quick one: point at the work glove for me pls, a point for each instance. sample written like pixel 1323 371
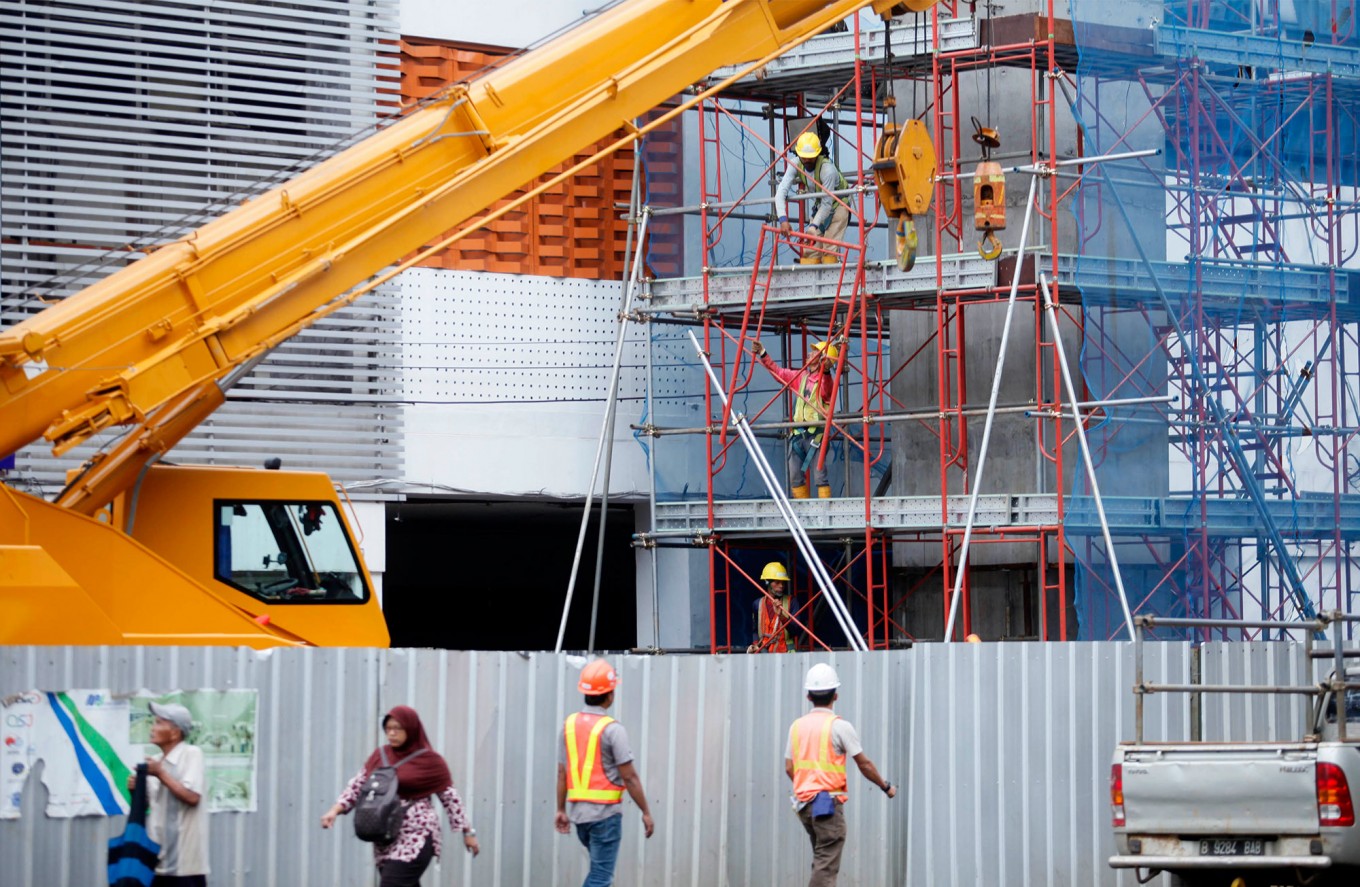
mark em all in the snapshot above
pixel 757 349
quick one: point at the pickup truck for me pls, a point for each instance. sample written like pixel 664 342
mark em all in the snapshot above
pixel 1243 814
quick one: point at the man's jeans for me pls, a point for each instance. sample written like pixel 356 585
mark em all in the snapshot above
pixel 602 840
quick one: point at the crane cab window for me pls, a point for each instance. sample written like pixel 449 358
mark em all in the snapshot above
pixel 286 552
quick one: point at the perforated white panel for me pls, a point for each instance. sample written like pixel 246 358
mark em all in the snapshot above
pixel 507 378
pixel 478 338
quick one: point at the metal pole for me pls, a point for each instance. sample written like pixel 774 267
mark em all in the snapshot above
pixel 1085 450
pixel 611 411
pixel 991 414
pixel 605 431
pixel 1049 167
pixel 800 537
pixel 900 416
pixel 1138 680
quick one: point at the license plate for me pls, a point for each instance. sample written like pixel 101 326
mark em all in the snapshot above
pixel 1232 847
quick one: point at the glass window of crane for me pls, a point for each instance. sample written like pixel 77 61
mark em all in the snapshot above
pixel 286 552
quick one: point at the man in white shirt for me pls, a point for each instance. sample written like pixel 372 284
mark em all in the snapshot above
pixel 178 820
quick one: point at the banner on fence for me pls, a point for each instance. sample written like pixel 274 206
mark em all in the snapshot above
pixel 88 740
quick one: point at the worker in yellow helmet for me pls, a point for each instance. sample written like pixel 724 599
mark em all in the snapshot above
pixel 813 388
pixel 773 612
pixel 814 173
pixel 594 769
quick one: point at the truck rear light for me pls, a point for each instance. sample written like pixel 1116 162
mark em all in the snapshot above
pixel 1117 794
pixel 1333 796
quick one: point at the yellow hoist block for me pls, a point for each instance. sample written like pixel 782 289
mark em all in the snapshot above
pixel 904 168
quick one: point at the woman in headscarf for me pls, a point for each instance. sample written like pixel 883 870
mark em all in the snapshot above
pixel 419 778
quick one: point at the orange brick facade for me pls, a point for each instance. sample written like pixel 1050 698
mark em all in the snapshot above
pixel 576 228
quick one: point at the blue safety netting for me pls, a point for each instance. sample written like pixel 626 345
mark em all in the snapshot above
pixel 1216 273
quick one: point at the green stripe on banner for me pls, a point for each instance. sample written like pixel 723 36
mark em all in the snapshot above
pixel 118 771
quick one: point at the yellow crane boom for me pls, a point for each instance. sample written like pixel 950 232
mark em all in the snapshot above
pixel 153 344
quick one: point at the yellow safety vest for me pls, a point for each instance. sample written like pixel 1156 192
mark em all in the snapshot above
pixel 807 406
pixel 586 779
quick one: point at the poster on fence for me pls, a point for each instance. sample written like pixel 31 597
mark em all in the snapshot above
pixel 89 740
pixel 81 736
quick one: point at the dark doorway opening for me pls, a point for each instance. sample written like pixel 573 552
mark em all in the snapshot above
pixel 493 576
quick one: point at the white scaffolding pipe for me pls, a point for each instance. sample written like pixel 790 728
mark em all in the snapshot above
pixel 991 415
pixel 1086 452
pixel 1035 172
pixel 1047 168
pixel 800 537
pixel 606 435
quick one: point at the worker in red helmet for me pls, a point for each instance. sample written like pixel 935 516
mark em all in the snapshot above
pixel 594 768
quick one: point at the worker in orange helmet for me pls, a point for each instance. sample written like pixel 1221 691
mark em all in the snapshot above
pixel 819 743
pixel 594 768
pixel 773 612
pixel 813 387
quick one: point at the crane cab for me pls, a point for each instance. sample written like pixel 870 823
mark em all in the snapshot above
pixel 273 544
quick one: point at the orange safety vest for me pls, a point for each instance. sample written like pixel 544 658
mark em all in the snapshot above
pixel 586 780
pixel 816 766
pixel 774 622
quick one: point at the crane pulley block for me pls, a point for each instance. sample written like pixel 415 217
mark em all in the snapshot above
pixel 904 167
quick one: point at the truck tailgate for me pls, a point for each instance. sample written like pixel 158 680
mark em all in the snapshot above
pixel 1221 789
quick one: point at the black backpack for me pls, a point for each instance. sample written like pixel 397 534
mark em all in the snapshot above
pixel 378 813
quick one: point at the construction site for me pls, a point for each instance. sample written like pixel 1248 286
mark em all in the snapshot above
pixel 967 324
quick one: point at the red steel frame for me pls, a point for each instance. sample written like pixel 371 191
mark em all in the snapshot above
pixel 854 313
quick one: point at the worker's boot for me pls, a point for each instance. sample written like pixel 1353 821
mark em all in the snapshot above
pixel 800 492
pixel 810 258
pixel 831 258
pixel 823 491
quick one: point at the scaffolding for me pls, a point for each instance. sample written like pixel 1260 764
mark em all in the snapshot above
pixel 1177 315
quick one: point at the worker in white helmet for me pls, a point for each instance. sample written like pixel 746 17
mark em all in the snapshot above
pixel 814 173
pixel 819 743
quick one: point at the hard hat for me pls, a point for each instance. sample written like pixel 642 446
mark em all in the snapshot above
pixel 820 678
pixel 597 678
pixel 831 351
pixel 973 639
pixel 774 570
pixel 808 146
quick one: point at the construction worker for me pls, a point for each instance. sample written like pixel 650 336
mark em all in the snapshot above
pixel 773 612
pixel 813 388
pixel 594 768
pixel 819 743
pixel 814 173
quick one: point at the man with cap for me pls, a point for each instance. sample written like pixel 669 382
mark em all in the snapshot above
pixel 178 820
pixel 819 742
pixel 594 768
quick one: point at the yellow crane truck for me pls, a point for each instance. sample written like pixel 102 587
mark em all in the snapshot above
pixel 137 552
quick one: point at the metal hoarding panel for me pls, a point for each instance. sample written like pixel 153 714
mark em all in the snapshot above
pixel 1001 751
